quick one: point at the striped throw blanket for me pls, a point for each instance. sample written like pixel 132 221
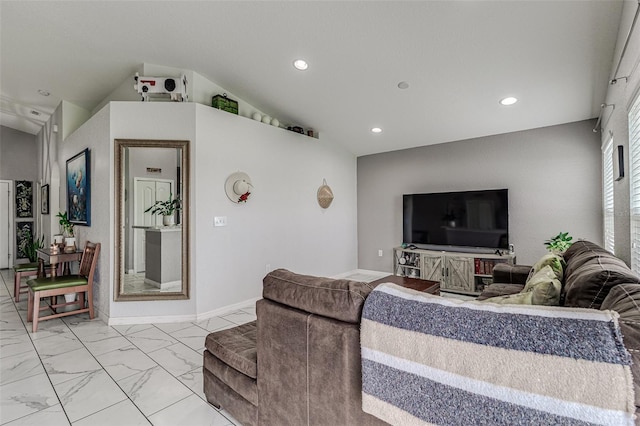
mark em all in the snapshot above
pixel 432 360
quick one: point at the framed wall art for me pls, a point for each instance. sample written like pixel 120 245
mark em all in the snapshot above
pixel 78 180
pixel 44 199
pixel 24 235
pixel 24 199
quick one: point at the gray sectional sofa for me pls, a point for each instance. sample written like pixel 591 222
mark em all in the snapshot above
pixel 299 363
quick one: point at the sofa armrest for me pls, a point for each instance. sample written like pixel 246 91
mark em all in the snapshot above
pixel 332 298
pixel 514 274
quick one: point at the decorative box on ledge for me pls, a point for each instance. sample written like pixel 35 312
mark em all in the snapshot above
pixel 224 103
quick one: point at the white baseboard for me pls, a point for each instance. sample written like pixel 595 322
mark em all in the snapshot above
pixel 151 319
pixel 178 318
pixel 228 309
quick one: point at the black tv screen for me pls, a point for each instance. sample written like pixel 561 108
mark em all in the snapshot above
pixel 478 219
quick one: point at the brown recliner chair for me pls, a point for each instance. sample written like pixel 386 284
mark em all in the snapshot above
pixel 299 363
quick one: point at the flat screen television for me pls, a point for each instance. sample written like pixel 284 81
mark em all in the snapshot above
pixel 457 220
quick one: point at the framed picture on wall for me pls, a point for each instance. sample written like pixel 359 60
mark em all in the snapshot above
pixel 78 180
pixel 24 235
pixel 24 199
pixel 44 199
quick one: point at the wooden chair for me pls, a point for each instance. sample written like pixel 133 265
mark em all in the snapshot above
pixel 59 286
pixel 24 270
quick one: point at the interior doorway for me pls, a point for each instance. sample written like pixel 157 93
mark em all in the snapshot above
pixel 146 193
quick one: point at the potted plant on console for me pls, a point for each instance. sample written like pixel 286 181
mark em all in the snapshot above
pixel 167 209
pixel 560 243
pixel 67 231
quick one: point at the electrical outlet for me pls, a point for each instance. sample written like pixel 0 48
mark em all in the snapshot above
pixel 220 221
pixel 379 253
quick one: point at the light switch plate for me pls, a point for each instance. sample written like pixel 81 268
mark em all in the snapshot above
pixel 220 221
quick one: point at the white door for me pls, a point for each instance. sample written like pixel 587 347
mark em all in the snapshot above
pixel 147 192
pixel 6 241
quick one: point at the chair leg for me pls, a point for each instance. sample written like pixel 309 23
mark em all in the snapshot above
pixel 30 306
pixel 36 309
pixel 90 302
pixel 16 286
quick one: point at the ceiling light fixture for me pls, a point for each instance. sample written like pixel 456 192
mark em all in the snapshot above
pixel 508 101
pixel 376 130
pixel 43 92
pixel 403 85
pixel 300 64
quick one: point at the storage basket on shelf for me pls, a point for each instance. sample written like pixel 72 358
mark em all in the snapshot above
pixel 224 103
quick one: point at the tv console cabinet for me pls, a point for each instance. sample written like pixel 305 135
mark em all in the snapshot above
pixel 457 272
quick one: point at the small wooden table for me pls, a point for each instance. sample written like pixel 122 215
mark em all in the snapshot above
pixel 46 254
pixel 425 286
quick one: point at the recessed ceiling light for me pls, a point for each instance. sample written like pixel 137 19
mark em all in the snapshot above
pixel 300 64
pixel 508 101
pixel 403 85
pixel 376 130
pixel 43 92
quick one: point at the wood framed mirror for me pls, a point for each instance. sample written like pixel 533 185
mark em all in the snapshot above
pixel 151 251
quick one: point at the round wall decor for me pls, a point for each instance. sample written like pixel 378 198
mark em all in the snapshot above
pixel 238 187
pixel 325 195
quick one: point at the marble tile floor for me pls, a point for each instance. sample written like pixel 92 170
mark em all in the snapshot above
pixel 76 371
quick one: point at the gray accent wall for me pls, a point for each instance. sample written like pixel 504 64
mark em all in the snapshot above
pixel 18 155
pixel 553 175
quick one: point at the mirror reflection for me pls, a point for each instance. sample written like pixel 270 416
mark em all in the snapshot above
pixel 152 183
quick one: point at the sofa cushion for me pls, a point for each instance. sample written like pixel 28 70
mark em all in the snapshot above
pixel 236 347
pixel 333 298
pixel 590 274
pixel 221 395
pixel 589 285
pixel 498 289
pixel 581 259
pixel 514 274
pixel 582 246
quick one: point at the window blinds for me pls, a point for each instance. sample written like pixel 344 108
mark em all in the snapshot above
pixel 607 195
pixel 634 182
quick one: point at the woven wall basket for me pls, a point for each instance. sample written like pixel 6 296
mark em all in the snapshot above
pixel 325 195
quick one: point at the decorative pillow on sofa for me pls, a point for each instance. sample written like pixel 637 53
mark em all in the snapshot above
pixel 556 262
pixel 543 288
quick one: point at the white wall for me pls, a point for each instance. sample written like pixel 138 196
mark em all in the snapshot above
pixel 615 122
pixel 95 136
pixel 282 224
pixel 151 120
pixel 552 173
pixel 73 117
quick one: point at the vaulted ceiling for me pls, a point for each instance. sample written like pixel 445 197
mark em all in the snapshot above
pixel 459 58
